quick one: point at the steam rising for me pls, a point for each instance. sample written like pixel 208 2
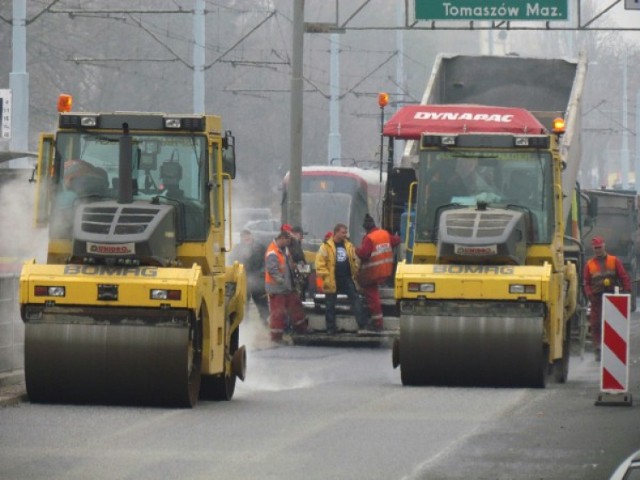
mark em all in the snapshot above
pixel 19 238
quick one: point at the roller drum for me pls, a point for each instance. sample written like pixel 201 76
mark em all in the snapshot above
pixel 472 350
pixel 111 363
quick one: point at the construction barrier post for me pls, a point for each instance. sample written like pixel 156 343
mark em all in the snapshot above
pixel 614 362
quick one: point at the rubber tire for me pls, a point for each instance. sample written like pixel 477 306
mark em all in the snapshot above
pixel 395 353
pixel 221 387
pixel 194 350
pixel 561 366
pixel 239 363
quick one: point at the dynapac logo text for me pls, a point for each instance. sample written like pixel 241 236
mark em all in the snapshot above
pixel 110 271
pixel 457 116
pixel 482 269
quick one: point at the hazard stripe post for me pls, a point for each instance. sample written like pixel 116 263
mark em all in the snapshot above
pixel 614 363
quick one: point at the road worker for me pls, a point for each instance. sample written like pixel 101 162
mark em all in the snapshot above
pixel 376 255
pixel 284 301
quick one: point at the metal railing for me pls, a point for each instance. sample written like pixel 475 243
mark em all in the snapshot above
pixel 11 326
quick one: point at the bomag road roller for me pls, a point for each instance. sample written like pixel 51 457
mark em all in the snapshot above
pixel 488 293
pixel 134 305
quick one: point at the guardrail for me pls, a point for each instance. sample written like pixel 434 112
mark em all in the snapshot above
pixel 11 326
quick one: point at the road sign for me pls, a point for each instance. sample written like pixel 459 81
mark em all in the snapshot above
pixel 5 114
pixel 546 10
pixel 614 365
pixel 632 4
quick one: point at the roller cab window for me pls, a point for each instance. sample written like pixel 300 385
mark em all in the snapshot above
pixel 168 169
pixel 462 178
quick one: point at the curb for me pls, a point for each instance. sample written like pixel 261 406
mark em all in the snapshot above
pixel 12 388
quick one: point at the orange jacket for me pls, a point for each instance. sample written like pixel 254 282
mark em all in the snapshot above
pixel 378 265
pixel 595 278
pixel 277 274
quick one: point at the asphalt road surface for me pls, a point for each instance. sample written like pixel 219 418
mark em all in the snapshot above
pixel 334 413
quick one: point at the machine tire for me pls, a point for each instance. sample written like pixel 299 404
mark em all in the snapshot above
pixel 395 353
pixel 239 363
pixel 194 355
pixel 545 369
pixel 561 366
pixel 221 387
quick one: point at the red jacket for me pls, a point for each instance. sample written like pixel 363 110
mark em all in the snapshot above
pixel 376 253
pixel 594 277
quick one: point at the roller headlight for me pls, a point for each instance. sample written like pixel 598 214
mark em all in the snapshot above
pixel 421 287
pixel 161 294
pixel 520 288
pixel 48 291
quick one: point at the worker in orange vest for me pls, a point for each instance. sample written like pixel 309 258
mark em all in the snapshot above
pixel 602 274
pixel 284 301
pixel 376 255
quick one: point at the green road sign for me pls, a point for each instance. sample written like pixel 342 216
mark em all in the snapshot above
pixel 546 10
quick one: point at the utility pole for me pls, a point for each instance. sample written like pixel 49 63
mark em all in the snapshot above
pixel 400 83
pixel 637 159
pixel 624 151
pixel 198 56
pixel 335 150
pixel 19 85
pixel 294 198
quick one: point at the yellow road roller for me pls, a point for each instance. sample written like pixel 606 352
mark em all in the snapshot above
pixel 134 304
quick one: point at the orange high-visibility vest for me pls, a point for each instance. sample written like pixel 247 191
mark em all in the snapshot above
pixel 281 262
pixel 379 266
pixel 598 276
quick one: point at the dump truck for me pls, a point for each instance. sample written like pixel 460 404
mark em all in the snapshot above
pixel 615 218
pixel 134 304
pixel 489 170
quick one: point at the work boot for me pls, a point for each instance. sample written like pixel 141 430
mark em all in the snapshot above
pixel 302 326
pixel 369 328
pixel 375 326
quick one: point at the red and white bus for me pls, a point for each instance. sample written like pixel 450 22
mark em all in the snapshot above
pixel 336 194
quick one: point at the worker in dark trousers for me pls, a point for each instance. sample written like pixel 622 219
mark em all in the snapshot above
pixel 337 267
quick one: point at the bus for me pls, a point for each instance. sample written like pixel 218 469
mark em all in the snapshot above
pixel 336 194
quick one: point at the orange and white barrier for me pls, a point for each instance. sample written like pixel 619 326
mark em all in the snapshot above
pixel 614 363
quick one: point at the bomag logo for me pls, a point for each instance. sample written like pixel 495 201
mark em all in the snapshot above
pixel 110 271
pixel 479 269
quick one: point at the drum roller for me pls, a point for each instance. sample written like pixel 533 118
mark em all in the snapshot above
pixel 89 357
pixel 471 351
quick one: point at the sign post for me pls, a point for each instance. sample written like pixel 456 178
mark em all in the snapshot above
pixel 614 363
